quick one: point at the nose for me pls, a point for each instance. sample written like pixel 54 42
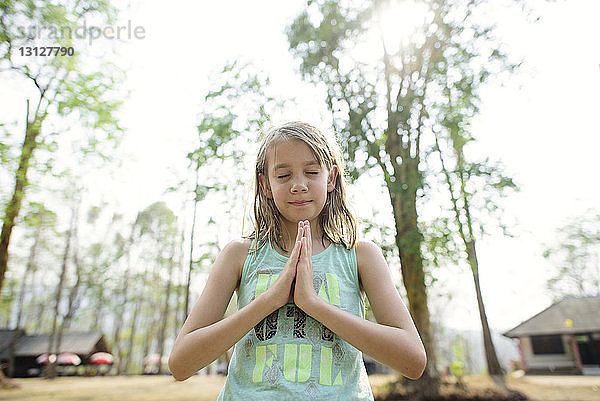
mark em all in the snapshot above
pixel 299 187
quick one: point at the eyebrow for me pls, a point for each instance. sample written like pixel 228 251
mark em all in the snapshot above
pixel 286 165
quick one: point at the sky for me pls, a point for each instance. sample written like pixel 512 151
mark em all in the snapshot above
pixel 540 123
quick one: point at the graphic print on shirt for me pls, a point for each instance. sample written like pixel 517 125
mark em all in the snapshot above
pixel 297 358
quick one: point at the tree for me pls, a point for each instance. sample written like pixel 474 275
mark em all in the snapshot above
pixel 39 219
pixel 56 334
pixel 63 87
pixel 576 257
pixel 233 113
pixel 123 293
pixel 156 229
pixel 386 107
pixel 164 315
pixel 462 190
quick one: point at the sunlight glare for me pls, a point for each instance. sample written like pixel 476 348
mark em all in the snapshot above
pixel 399 20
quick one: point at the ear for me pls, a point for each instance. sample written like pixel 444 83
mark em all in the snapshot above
pixel 264 186
pixel 331 179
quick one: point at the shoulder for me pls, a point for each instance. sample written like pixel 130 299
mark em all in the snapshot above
pixel 237 249
pixel 233 255
pixel 366 253
pixel 369 261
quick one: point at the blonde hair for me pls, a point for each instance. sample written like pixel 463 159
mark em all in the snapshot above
pixel 337 222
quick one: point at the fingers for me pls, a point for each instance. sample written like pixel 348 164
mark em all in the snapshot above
pixel 296 250
pixel 298 244
pixel 300 231
pixel 308 235
pixel 306 253
pixel 303 247
pixel 307 240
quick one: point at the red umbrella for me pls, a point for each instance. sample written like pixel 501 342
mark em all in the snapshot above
pixel 68 359
pixel 101 358
pixel 42 359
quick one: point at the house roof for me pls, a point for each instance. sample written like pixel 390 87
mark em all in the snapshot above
pixel 570 315
pixel 81 343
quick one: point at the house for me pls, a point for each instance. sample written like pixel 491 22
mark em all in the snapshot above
pixel 563 338
pixel 28 347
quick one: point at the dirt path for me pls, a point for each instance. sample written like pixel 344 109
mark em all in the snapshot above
pixel 547 388
pixel 119 388
pixel 558 388
pixel 206 388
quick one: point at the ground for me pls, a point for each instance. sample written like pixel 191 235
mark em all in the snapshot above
pixel 205 388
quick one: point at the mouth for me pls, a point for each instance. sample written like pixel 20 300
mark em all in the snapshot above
pixel 300 203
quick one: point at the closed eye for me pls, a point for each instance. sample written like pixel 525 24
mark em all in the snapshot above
pixel 283 176
pixel 312 172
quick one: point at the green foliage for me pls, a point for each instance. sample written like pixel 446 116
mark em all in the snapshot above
pixel 325 50
pixel 234 111
pixel 382 107
pixel 223 121
pixel 38 215
pixel 157 221
pixel 8 297
pixel 6 155
pixel 440 247
pixel 390 110
pixel 576 257
pixel 93 214
pixel 65 88
pixel 457 366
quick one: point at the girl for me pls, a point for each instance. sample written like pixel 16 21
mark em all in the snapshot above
pixel 300 280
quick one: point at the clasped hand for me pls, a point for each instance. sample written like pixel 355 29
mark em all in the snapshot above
pixel 296 279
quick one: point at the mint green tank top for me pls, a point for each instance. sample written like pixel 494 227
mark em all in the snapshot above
pixel 289 355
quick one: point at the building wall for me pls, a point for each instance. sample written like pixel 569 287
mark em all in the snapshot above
pixel 549 362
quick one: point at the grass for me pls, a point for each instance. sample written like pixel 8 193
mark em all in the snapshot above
pixel 536 388
pixel 205 388
pixel 116 388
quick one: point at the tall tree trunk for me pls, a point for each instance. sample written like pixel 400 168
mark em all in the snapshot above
pixel 189 275
pixel 130 345
pixel 41 310
pixel 153 319
pixel 28 269
pixel 53 346
pixel 121 318
pixel 11 291
pixel 403 183
pixel 101 263
pixel 32 303
pixel 72 304
pixel 136 312
pixel 408 241
pixel 165 312
pixel 179 290
pixel 100 302
pixel 152 322
pixel 493 365
pixel 466 234
pixel 32 130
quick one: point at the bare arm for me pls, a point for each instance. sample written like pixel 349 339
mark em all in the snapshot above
pixel 393 340
pixel 204 336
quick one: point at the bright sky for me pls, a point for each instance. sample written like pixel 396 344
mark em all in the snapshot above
pixel 541 123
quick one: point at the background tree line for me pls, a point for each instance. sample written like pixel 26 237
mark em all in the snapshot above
pixel 403 118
